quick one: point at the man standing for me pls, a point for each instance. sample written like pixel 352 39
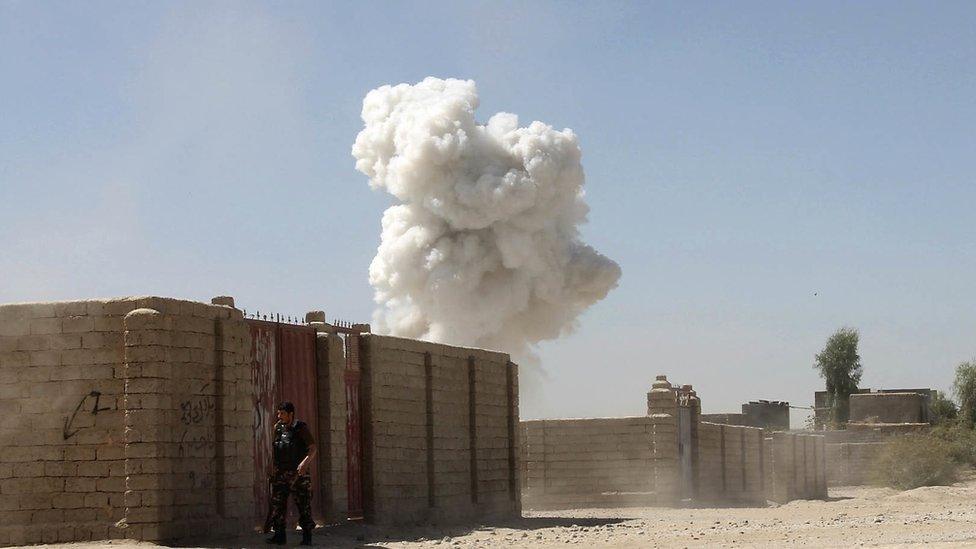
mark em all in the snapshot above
pixel 294 449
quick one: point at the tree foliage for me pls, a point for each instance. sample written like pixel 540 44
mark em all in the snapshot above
pixel 965 389
pixel 840 366
pixel 944 410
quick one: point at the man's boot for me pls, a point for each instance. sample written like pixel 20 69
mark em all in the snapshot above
pixel 278 538
pixel 306 537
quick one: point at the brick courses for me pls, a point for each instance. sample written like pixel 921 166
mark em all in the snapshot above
pixel 636 460
pixel 587 462
pixel 93 395
pixel 470 404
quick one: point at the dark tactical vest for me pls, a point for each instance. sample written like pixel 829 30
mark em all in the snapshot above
pixel 289 448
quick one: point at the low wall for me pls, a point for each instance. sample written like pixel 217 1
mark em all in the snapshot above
pixel 603 462
pixel 439 432
pixel 668 457
pixel 732 464
pixel 125 418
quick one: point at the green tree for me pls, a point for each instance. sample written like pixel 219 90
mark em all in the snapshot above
pixel 965 389
pixel 840 366
pixel 943 409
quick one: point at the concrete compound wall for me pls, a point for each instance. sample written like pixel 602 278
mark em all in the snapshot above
pixel 732 464
pixel 799 467
pixel 440 432
pixel 643 461
pixel 601 462
pixel 134 418
pixel 119 418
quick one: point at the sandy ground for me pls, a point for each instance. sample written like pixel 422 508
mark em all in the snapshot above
pixel 942 516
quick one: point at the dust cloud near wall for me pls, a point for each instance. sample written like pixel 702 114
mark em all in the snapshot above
pixel 598 462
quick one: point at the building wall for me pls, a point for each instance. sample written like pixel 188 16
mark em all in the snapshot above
pixel 888 408
pixel 587 462
pixel 440 440
pixel 771 415
pixel 118 417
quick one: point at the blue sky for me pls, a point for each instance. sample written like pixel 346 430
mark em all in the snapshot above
pixel 740 158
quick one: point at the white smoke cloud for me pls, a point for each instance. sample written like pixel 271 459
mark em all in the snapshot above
pixel 484 248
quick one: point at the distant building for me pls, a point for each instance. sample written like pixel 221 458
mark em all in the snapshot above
pixel 880 406
pixel 768 414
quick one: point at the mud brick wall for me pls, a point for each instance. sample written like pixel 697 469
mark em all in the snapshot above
pixel 732 463
pixel 888 407
pixel 331 364
pixel 62 474
pixel 587 462
pixel 92 394
pixel 188 417
pixel 799 467
pixel 440 432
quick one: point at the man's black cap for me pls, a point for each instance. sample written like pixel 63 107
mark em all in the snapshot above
pixel 287 406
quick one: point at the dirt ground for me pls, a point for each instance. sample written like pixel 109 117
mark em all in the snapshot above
pixel 942 516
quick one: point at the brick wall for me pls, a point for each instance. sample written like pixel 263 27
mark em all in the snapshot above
pixel 440 439
pixel 587 462
pixel 122 418
pixel 799 467
pixel 732 464
pixel 331 364
pixel 888 407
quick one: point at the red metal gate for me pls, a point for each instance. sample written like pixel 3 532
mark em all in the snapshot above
pixel 265 396
pixel 283 368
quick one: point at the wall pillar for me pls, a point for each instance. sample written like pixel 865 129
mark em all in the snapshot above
pixel 662 407
pixel 147 507
pixel 784 467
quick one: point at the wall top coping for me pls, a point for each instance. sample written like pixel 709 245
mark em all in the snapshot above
pixel 732 426
pixel 501 356
pixel 118 299
pixel 579 419
pixel 904 394
pixel 115 307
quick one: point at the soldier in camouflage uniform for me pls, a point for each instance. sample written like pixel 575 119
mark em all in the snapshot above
pixel 294 449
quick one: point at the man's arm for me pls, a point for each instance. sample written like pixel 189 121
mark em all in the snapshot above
pixel 306 434
pixel 303 466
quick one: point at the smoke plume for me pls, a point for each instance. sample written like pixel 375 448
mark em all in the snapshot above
pixel 483 249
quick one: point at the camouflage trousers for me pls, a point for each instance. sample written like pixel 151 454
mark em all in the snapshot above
pixel 283 484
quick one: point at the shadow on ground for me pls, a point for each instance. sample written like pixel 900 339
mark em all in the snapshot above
pixel 361 535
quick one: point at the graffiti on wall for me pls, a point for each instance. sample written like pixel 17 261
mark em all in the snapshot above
pixel 69 431
pixel 197 414
pixel 197 410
